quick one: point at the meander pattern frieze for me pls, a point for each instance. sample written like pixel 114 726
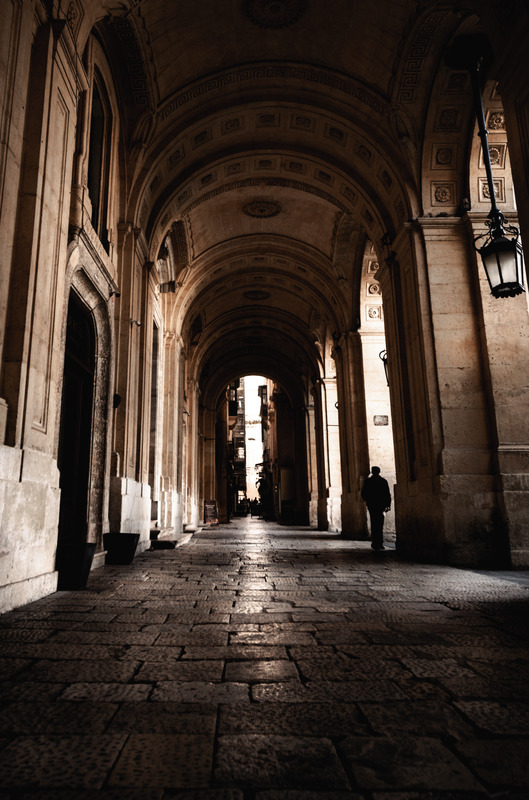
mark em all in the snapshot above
pixel 133 60
pixel 418 53
pixel 264 72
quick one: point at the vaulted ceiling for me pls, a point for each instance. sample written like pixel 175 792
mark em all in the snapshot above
pixel 279 137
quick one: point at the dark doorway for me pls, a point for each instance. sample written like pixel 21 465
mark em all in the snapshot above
pixel 74 555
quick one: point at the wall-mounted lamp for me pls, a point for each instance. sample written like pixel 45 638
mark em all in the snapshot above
pixel 383 356
pixel 502 257
pixel 135 322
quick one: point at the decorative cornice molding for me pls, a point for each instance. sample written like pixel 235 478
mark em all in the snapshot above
pixel 261 72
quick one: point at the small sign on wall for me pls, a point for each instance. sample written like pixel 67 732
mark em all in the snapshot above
pixel 210 512
pixel 381 419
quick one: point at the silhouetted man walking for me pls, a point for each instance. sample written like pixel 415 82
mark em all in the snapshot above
pixel 376 494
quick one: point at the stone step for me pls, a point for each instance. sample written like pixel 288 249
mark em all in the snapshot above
pixel 163 544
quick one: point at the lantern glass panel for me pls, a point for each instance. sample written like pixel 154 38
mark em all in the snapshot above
pixel 503 262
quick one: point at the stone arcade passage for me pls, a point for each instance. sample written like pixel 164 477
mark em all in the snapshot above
pixel 192 193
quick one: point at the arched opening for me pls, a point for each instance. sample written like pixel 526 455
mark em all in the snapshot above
pixel 99 159
pixel 74 457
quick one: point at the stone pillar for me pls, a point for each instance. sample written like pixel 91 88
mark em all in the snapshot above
pixel 333 461
pixel 353 433
pixel 301 512
pixel 321 459
pixel 221 462
pixel 194 509
pixel 130 500
pixel 36 153
pixel 312 461
pixel 173 412
pixel 505 351
pixel 443 353
pixel 208 483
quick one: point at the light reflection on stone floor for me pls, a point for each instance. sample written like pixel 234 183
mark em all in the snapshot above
pixel 261 662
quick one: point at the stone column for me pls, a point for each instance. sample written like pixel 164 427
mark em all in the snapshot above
pixel 301 512
pixel 193 458
pixel 130 503
pixel 321 455
pixel 171 491
pixel 444 415
pixel 35 176
pixel 334 476
pixel 354 454
pixel 208 484
pixel 504 342
pixel 312 461
pixel 221 461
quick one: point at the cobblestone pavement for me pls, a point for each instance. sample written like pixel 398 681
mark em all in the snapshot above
pixel 259 662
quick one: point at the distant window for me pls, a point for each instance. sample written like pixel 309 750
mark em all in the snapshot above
pixel 99 159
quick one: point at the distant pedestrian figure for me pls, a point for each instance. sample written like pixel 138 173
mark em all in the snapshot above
pixel 376 494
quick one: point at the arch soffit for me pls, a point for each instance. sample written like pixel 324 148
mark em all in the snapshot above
pixel 292 385
pixel 213 382
pixel 358 178
pixel 454 177
pixel 275 338
pixel 268 264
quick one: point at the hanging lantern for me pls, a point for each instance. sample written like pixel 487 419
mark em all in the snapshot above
pixel 502 258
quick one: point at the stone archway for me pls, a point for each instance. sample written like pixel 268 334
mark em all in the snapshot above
pixel 74 551
pixel 85 404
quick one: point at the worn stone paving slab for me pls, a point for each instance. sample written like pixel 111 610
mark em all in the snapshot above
pixel 261 671
pixel 119 637
pixel 429 718
pixel 235 652
pixel 326 691
pixel 295 795
pixel 53 650
pixel 405 762
pixel 69 671
pixel 200 692
pixel 451 794
pixel 59 761
pixel 10 667
pixel 320 719
pixel 23 635
pixel 273 638
pixel 442 668
pixel 496 718
pixel 54 718
pixel 85 794
pixel 156 653
pixel 205 794
pixel 258 761
pixel 165 718
pixel 500 763
pixel 180 671
pixel 107 692
pixel 347 670
pixel 164 760
pixel 501 687
pixel 29 692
